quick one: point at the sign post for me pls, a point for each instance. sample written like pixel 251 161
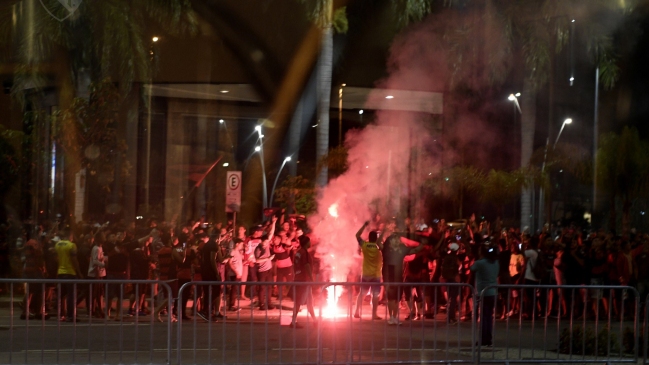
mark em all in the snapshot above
pixel 233 194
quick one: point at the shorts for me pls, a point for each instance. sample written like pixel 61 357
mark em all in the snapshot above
pixel 390 276
pixel 302 294
pixel 596 293
pixel 375 287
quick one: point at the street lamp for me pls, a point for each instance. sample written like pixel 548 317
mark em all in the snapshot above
pixel 545 157
pixel 272 192
pixel 514 98
pixel 259 148
pixel 263 176
pixel 567 121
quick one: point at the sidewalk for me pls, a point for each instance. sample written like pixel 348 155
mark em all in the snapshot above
pixel 5 300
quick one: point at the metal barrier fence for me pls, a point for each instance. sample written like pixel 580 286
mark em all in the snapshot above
pixel 601 324
pixel 334 336
pixel 72 336
pixel 561 324
pixel 645 331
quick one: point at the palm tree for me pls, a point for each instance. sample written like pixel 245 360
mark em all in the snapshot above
pixel 330 19
pixel 535 31
pixel 461 180
pixel 502 187
pixel 327 19
pixel 623 172
pixel 103 39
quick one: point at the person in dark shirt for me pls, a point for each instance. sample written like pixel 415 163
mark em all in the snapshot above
pixel 116 269
pixel 642 260
pixel 34 268
pixel 210 273
pixel 303 269
pixel 83 255
pixel 416 271
pixel 504 277
pixel 167 272
pixel 597 268
pixel 184 257
pixel 574 265
pixel 394 251
pixel 140 267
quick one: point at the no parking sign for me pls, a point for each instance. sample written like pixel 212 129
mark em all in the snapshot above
pixel 233 192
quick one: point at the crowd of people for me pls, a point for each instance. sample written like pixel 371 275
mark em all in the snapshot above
pixel 279 251
pixel 195 251
pixel 586 274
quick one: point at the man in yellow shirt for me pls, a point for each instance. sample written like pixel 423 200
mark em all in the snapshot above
pixel 372 264
pixel 68 268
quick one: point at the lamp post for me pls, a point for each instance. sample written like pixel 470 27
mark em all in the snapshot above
pixel 260 149
pixel 527 194
pixel 567 121
pixel 340 114
pixel 272 192
pixel 545 157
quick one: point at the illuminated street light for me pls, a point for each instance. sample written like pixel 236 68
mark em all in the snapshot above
pixel 155 39
pixel 360 112
pixel 545 157
pixel 263 174
pixel 258 129
pixel 565 122
pixel 221 121
pixel 514 98
pixel 389 97
pixel 225 164
pixel 272 192
pixel 224 91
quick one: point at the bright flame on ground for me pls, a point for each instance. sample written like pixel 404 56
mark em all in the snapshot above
pixel 333 294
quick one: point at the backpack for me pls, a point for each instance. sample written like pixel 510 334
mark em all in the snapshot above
pixel 540 269
pixel 450 267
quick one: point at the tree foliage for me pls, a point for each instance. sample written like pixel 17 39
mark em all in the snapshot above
pixel 88 131
pixel 501 187
pixel 9 165
pixel 335 161
pixel 103 38
pixel 298 193
pixel 623 170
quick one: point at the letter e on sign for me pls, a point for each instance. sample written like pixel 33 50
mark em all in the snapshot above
pixel 233 192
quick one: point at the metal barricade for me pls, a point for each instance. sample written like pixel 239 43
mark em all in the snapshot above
pixel 432 337
pixel 560 324
pixel 597 324
pixel 40 331
pixel 250 335
pixel 645 331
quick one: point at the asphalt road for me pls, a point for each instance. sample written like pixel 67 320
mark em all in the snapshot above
pixel 254 337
